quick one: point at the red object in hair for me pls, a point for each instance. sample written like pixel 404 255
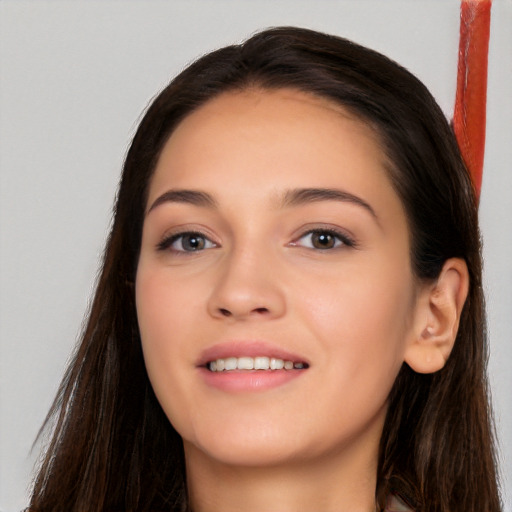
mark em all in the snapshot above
pixel 470 102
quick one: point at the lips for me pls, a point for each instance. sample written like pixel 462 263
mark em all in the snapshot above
pixel 249 349
pixel 248 366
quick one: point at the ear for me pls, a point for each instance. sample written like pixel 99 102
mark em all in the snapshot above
pixel 439 307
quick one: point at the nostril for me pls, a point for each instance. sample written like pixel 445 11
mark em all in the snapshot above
pixel 242 311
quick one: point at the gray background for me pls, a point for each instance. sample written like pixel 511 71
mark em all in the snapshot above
pixel 75 76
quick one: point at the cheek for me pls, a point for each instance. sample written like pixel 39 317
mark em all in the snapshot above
pixel 363 321
pixel 156 311
pixel 360 299
pixel 163 317
pixel 163 307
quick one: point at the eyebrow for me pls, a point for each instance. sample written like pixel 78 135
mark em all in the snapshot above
pixel 302 196
pixel 193 197
pixel 294 197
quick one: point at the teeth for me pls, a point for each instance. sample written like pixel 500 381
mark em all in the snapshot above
pixel 253 363
pixel 230 363
pixel 276 364
pixel 261 363
pixel 245 363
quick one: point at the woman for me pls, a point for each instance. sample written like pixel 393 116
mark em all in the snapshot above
pixel 290 312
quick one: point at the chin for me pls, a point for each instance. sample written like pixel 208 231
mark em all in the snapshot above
pixel 256 456
pixel 246 447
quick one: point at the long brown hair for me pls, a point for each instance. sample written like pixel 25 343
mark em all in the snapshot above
pixel 113 448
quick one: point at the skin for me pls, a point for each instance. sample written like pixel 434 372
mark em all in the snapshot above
pixel 353 312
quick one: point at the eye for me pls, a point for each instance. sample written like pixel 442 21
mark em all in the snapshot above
pixel 324 239
pixel 186 242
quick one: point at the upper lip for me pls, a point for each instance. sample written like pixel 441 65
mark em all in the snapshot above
pixel 239 348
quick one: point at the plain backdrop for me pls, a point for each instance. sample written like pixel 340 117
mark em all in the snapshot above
pixel 75 77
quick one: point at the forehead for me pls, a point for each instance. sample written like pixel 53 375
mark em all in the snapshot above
pixel 287 108
pixel 264 133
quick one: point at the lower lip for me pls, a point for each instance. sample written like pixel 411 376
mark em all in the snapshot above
pixel 250 380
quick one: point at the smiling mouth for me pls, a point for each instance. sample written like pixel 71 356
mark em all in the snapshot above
pixel 254 363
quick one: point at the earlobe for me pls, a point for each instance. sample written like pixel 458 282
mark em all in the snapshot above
pixel 437 318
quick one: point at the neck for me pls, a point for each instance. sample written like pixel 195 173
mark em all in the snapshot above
pixel 331 483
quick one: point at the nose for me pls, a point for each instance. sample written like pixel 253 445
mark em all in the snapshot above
pixel 247 287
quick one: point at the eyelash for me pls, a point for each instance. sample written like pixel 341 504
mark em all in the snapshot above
pixel 167 242
pixel 340 238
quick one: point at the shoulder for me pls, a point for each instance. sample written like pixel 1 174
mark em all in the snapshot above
pixel 395 504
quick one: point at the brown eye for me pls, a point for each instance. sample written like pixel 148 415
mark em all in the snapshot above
pixel 323 239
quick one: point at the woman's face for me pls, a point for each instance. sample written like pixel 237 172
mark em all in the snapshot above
pixel 273 237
